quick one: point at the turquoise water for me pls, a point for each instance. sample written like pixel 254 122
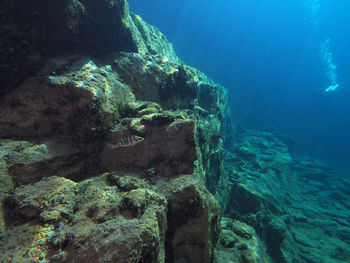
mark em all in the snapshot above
pixel 286 64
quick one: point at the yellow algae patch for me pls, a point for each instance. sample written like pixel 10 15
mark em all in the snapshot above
pixel 34 243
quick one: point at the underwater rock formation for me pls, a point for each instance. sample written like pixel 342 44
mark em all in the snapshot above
pixel 110 218
pixel 239 242
pixel 68 195
pixel 297 205
pixel 82 76
pixel 33 31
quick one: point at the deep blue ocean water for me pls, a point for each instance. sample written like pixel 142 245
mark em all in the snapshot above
pixel 276 58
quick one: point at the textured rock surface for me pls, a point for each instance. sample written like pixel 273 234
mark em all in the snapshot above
pixel 33 31
pixel 297 205
pixel 150 40
pixel 80 101
pixel 116 217
pixel 67 194
pixel 29 161
pixel 193 221
pixel 92 220
pixel 168 148
pixel 239 243
pixel 6 187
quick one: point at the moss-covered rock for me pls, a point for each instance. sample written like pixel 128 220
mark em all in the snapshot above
pixel 168 146
pixel 239 243
pixel 150 40
pixel 33 31
pixel 100 219
pixel 69 192
pixel 193 219
pixel 83 100
pixel 6 187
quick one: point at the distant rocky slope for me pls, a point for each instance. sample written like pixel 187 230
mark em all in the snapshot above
pixel 299 207
pixel 79 76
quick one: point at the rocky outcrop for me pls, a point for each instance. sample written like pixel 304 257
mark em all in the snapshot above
pixel 295 203
pixel 33 31
pixel 115 217
pixel 69 124
pixel 193 223
pixel 239 243
pixel 92 220
pixel 69 192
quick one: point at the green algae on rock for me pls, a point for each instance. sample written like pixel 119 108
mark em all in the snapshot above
pixel 32 32
pixel 124 225
pixel 239 243
pixel 70 199
pixel 76 101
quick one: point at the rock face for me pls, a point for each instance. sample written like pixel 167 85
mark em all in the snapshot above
pixel 82 98
pixel 92 220
pixel 69 192
pixel 239 243
pixel 33 31
pixel 115 217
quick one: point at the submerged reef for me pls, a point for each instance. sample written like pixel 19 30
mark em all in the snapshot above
pixel 83 76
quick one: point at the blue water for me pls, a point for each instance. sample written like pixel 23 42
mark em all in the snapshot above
pixel 269 55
